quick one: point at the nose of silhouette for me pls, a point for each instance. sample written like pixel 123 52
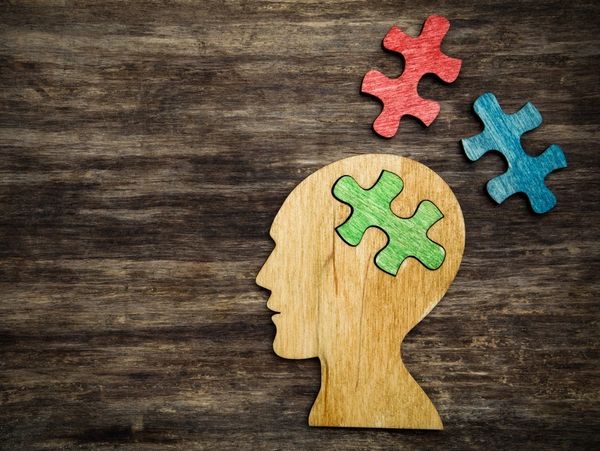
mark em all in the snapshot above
pixel 262 277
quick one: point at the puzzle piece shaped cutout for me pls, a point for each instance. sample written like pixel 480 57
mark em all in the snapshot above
pixel 422 55
pixel 502 133
pixel 407 237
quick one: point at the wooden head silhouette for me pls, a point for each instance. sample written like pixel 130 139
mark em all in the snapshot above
pixel 335 302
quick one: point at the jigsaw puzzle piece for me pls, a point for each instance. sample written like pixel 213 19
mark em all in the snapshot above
pixel 368 206
pixel 407 237
pixel 529 179
pixel 422 55
pixel 397 101
pixel 412 242
pixel 424 51
pixel 502 133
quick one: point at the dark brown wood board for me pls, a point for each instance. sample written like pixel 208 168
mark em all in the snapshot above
pixel 145 148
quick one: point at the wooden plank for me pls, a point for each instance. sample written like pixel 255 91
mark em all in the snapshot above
pixel 146 149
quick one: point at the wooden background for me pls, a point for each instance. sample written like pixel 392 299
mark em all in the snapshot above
pixel 145 149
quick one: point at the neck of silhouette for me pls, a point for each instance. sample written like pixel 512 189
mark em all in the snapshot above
pixel 370 387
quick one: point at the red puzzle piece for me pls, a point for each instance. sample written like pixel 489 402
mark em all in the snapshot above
pixel 422 55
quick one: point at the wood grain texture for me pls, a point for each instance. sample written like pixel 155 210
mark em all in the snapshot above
pixel 334 303
pixel 146 149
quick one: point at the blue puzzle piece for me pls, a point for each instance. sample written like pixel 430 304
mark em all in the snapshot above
pixel 502 132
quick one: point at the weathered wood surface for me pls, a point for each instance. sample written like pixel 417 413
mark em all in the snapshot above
pixel 145 149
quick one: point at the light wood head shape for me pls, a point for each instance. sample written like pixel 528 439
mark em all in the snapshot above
pixel 334 303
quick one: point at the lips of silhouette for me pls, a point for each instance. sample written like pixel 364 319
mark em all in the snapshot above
pixel 270 306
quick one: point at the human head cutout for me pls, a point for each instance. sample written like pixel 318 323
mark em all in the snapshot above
pixel 335 303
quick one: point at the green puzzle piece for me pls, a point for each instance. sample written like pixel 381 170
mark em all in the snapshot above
pixel 407 237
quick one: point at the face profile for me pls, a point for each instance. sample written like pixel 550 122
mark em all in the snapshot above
pixel 333 302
